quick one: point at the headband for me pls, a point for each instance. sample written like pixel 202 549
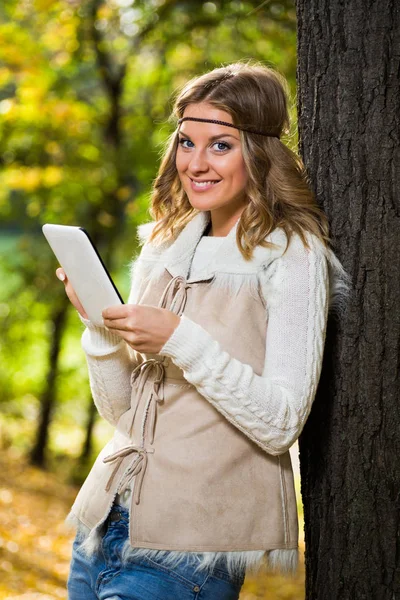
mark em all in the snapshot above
pixel 227 125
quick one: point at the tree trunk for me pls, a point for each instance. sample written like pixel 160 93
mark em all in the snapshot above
pixel 348 108
pixel 38 452
pixel 88 443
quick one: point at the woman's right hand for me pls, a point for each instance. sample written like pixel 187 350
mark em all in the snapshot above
pixel 71 293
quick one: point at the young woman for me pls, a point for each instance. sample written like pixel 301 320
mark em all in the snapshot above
pixel 209 372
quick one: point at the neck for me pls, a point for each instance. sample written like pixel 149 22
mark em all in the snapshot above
pixel 208 231
pixel 220 225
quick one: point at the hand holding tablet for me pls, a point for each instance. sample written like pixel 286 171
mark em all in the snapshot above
pixel 69 290
pixel 90 281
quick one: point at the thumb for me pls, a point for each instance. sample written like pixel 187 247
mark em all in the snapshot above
pixel 61 274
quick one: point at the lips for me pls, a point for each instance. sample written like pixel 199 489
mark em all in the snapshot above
pixel 203 184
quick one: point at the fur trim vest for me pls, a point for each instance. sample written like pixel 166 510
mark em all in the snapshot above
pixel 206 476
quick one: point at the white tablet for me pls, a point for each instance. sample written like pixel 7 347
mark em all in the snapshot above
pixel 83 266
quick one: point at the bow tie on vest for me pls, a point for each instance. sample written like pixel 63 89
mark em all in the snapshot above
pixel 137 468
pixel 174 299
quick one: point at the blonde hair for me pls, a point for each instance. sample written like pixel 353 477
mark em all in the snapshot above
pixel 277 190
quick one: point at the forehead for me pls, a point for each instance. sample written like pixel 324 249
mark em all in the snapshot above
pixel 203 110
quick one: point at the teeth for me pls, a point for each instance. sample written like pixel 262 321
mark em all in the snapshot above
pixel 204 183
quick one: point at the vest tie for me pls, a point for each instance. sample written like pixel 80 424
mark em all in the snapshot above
pixel 139 376
pixel 174 299
pixel 175 295
pixel 138 467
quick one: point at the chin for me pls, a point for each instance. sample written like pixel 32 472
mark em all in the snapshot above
pixel 203 203
pixel 203 206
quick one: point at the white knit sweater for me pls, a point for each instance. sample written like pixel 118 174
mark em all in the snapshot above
pixel 277 403
pixel 271 409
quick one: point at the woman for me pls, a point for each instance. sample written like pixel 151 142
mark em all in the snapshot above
pixel 209 372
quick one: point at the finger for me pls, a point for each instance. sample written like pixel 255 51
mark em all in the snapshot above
pixel 120 311
pixel 81 310
pixel 61 274
pixel 121 324
pixel 74 299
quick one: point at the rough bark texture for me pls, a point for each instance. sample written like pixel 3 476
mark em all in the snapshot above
pixel 349 108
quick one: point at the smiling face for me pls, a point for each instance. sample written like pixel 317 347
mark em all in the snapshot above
pixel 210 163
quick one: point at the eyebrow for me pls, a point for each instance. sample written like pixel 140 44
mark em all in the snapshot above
pixel 213 137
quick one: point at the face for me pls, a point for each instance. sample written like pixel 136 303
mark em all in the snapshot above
pixel 210 163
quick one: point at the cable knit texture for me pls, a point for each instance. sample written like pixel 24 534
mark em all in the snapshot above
pixel 271 409
pixel 297 288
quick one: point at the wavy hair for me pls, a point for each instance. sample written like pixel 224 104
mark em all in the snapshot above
pixel 278 190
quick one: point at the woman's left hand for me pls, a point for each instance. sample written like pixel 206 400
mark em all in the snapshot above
pixel 145 328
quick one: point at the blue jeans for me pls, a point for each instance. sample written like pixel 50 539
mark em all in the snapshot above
pixel 104 577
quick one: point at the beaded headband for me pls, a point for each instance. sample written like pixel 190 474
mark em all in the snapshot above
pixel 227 125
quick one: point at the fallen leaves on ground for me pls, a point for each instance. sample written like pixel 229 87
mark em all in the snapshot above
pixel 35 543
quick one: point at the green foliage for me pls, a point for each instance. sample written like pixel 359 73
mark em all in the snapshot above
pixel 85 96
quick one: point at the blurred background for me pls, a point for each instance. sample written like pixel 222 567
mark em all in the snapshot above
pixel 85 96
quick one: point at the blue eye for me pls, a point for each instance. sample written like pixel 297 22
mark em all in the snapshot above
pixel 222 146
pixel 183 141
pixel 219 146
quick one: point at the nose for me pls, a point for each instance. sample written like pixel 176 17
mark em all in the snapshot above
pixel 198 161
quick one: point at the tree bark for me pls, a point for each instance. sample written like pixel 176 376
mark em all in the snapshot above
pixel 348 109
pixel 87 447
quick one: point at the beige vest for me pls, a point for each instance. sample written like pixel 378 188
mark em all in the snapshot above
pixel 200 484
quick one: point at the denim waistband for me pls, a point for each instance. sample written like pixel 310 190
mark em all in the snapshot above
pixel 118 517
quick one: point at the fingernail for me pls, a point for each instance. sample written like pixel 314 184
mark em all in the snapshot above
pixel 61 276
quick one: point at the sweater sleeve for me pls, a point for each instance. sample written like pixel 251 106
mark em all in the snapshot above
pixel 270 408
pixel 109 358
pixel 110 363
